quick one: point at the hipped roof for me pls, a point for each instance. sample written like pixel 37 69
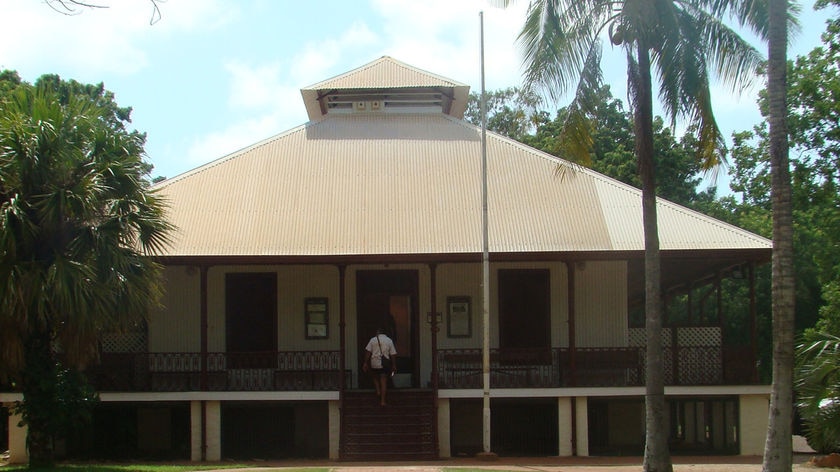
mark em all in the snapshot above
pixel 390 184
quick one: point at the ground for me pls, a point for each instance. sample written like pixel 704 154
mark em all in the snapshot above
pixel 802 463
pixel 548 464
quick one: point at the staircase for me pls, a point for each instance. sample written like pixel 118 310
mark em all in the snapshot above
pixel 402 431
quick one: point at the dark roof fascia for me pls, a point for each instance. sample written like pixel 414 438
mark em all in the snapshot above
pixel 759 256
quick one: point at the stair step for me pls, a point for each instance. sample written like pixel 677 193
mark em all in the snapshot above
pixel 403 430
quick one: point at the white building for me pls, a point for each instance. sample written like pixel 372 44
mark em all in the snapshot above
pixel 289 252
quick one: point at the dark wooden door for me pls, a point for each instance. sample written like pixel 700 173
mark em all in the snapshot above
pixel 388 299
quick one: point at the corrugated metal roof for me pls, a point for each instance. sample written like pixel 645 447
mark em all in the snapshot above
pixel 385 72
pixel 371 184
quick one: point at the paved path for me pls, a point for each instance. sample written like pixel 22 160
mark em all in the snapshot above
pixel 549 464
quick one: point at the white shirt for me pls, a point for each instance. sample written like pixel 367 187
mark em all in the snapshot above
pixel 376 354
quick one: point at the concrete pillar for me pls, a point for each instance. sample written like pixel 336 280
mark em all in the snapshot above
pixel 17 441
pixel 195 431
pixel 582 426
pixel 214 431
pixel 212 417
pixel 444 428
pixel 564 426
pixel 334 413
pixel 753 413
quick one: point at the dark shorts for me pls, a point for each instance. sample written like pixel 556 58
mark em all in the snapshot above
pixel 379 371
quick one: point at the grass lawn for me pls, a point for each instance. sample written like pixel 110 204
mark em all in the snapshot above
pixel 127 468
pixel 174 468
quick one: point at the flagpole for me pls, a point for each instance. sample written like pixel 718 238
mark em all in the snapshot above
pixel 485 263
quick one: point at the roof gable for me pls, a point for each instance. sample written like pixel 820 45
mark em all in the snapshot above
pixel 385 84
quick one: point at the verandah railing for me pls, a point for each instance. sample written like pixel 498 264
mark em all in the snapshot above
pixel 457 368
pixel 593 367
pixel 182 371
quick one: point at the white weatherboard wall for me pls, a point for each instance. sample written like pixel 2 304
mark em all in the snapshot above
pixel 753 423
pixel 601 303
pixel 176 327
pixel 17 441
pixel 459 280
pixel 294 285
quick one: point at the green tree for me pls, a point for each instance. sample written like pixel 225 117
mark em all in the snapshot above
pixel 78 223
pixel 612 141
pixel 511 112
pixel 682 42
pixel 678 173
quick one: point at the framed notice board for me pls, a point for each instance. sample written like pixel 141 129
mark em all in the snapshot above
pixel 317 318
pixel 459 318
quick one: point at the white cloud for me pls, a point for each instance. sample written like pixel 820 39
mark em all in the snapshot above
pixel 233 138
pixel 197 15
pixel 90 42
pixel 254 86
pixel 449 43
pixel 268 94
pixel 317 58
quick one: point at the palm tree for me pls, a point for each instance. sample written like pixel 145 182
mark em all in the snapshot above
pixel 77 224
pixel 682 41
pixel 778 453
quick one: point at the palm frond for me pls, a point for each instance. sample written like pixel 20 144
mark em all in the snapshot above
pixel 556 42
pixel 576 130
pixel 736 61
pixel 78 219
pixel 817 387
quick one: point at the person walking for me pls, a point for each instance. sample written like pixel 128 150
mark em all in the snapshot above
pixel 380 362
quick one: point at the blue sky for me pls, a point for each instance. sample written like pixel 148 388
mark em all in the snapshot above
pixel 213 76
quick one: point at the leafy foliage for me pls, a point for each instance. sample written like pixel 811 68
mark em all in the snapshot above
pixel 818 388
pixel 68 404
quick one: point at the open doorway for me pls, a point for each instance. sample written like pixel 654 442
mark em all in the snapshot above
pixel 388 299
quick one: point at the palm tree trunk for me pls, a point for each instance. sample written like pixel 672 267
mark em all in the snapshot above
pixel 657 456
pixel 38 386
pixel 778 455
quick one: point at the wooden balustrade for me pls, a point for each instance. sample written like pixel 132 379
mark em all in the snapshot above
pixel 589 367
pixel 182 371
pixel 457 368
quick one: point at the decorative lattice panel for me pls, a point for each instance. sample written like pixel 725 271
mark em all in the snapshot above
pixel 132 341
pixel 700 366
pixel 710 336
pixel 636 337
